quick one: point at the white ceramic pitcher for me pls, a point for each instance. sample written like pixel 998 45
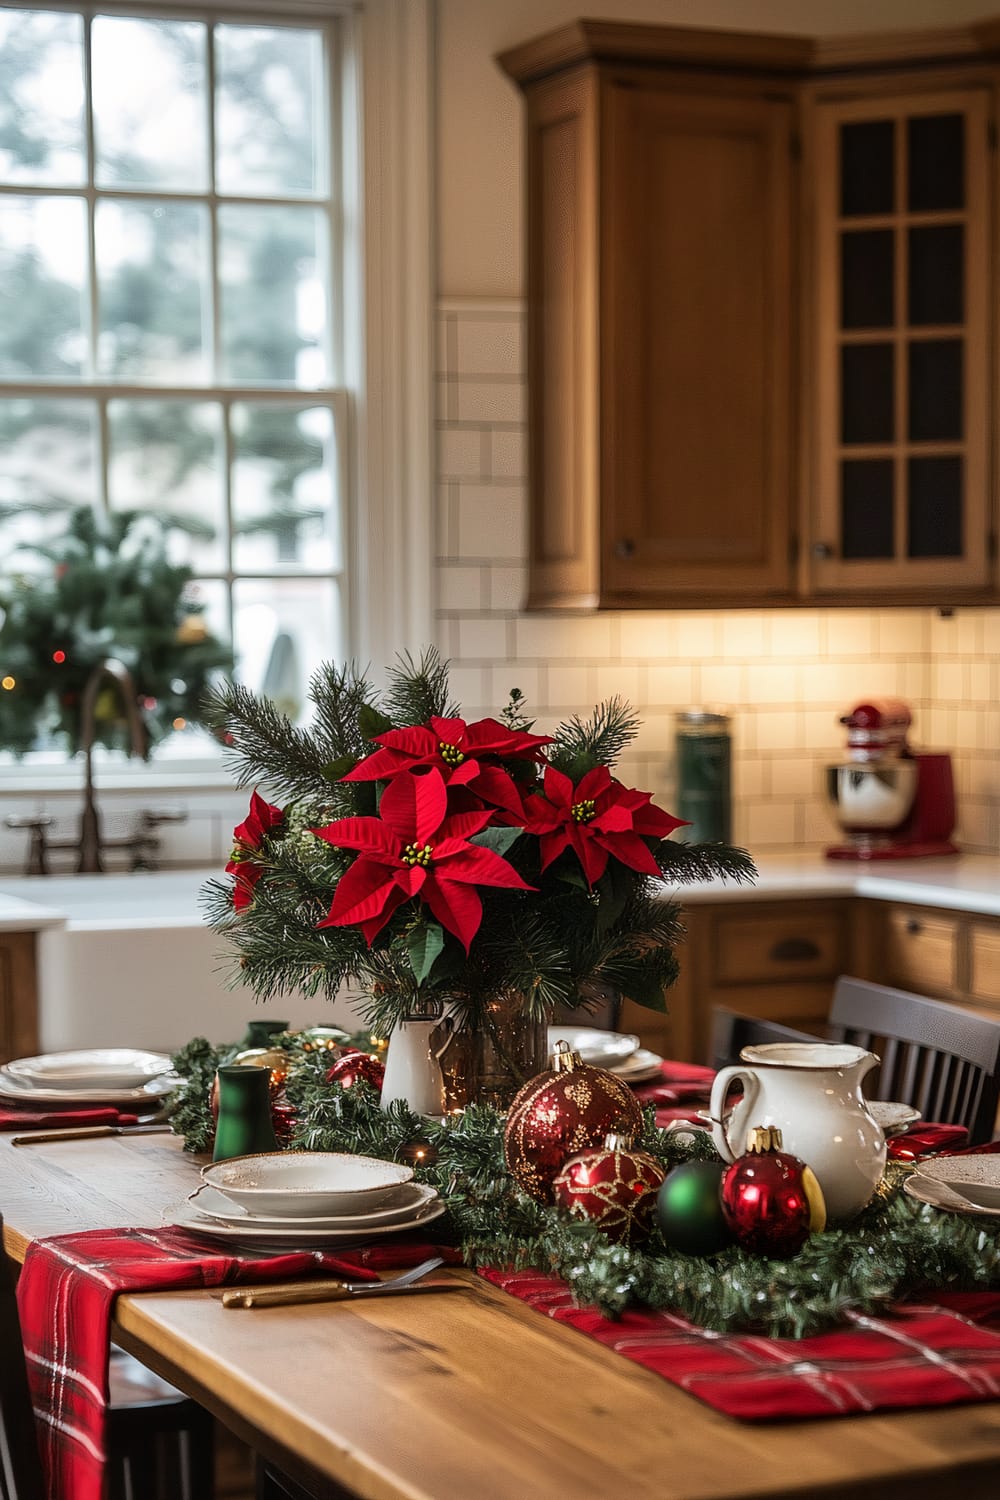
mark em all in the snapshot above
pixel 412 1069
pixel 812 1092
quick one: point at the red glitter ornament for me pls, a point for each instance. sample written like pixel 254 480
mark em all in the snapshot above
pixel 771 1201
pixel 561 1112
pixel 352 1066
pixel 614 1187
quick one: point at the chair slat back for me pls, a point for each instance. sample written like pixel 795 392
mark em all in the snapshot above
pixel 20 1467
pixel 732 1031
pixel 936 1056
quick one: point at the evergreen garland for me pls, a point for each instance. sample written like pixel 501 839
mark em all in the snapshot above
pixel 896 1248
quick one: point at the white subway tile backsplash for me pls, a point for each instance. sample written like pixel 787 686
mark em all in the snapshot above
pixel 460 453
pixel 491 521
pixel 462 588
pixel 490 401
pixel 489 346
pixel 508 454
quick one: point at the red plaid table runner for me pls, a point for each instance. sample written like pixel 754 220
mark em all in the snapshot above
pixel 65 1297
pixel 923 1355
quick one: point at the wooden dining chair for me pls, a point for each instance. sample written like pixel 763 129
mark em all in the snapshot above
pixel 732 1031
pixel 161 1443
pixel 943 1060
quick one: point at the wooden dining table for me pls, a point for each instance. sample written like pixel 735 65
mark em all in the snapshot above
pixel 469 1396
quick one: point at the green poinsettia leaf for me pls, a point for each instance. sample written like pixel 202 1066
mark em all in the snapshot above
pixel 645 989
pixel 339 767
pixel 372 722
pixel 614 889
pixel 498 840
pixel 424 944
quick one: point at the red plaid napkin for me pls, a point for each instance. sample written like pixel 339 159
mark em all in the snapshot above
pixel 65 1296
pixel 936 1355
pixel 680 1082
pixel 38 1119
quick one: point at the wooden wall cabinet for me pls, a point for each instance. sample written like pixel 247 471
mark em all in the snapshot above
pixel 760 309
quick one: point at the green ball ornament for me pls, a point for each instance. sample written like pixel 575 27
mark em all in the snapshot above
pixel 689 1208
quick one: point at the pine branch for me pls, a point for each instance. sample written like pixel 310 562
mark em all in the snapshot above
pixel 686 863
pixel 418 690
pixel 267 748
pixel 581 744
pixel 339 694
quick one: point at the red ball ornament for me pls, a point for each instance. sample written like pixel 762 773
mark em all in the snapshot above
pixel 352 1066
pixel 561 1112
pixel 771 1201
pixel 614 1187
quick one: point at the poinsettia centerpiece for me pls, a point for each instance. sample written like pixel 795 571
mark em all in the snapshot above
pixel 421 858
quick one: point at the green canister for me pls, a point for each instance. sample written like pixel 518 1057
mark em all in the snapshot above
pixel 704 794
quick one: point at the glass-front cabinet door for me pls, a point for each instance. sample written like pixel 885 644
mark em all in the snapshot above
pixel 902 377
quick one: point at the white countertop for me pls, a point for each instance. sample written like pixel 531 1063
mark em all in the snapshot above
pixel 966 882
pixel 963 882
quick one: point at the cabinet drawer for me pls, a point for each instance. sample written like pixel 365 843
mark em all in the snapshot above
pixel 753 947
pixel 922 951
pixel 984 962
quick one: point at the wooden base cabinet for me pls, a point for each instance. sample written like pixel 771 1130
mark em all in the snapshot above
pixel 18 996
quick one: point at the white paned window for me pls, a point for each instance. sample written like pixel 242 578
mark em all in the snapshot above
pixel 171 310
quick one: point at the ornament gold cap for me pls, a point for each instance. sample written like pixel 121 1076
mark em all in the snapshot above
pixel 564 1059
pixel 618 1140
pixel 763 1138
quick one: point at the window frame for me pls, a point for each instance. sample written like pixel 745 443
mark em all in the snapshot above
pixel 381 160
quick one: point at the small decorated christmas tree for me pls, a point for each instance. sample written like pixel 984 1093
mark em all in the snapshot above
pixel 105 588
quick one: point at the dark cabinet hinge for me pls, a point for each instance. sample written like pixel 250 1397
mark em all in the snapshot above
pixel 793 549
pixel 991 546
pixel 991 134
pixel 795 145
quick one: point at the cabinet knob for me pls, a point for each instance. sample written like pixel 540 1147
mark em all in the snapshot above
pixel 913 926
pixel 624 547
pixel 822 551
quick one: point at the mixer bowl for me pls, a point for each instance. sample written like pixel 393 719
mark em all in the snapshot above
pixel 871 798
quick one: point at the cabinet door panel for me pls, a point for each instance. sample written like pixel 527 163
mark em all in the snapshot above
pixel 903 202
pixel 696 330
pixel 922 952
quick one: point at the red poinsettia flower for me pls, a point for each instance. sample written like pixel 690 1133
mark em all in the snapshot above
pixel 248 839
pixel 457 750
pixel 598 819
pixel 414 848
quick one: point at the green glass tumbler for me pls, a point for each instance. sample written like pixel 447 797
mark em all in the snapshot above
pixel 704 796
pixel 244 1126
pixel 261 1033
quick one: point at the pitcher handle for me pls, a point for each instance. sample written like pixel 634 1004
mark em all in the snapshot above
pixel 720 1088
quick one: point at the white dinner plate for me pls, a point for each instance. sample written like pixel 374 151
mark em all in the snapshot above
pixel 976 1178
pixel 894 1118
pixel 595 1046
pixel 308 1184
pixel 641 1067
pixel 407 1201
pixel 15 1091
pixel 257 1236
pixel 94 1068
pixel 951 1198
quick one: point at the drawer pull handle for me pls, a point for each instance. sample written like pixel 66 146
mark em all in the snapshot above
pixel 793 950
pixel 913 926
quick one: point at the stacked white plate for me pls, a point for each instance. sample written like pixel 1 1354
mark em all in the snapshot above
pixel 99 1075
pixel 961 1184
pixel 289 1199
pixel 617 1051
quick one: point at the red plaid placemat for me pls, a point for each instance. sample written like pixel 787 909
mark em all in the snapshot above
pixel 40 1119
pixel 65 1297
pixel 943 1354
pixel 679 1083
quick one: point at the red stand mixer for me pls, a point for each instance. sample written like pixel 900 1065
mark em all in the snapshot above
pixel 892 802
